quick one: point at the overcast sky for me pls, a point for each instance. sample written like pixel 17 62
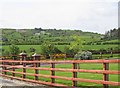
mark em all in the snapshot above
pixel 87 15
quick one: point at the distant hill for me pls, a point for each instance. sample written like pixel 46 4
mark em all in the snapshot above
pixel 38 35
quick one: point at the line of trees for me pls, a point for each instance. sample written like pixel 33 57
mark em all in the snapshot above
pixel 112 34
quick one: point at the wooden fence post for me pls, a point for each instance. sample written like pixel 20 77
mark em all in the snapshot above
pixel 52 72
pixel 23 56
pixel 13 69
pixel 36 65
pixel 74 83
pixel 4 67
pixel 105 76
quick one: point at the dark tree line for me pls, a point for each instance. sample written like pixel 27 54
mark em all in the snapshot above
pixel 112 34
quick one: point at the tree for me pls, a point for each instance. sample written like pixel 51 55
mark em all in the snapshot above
pixel 49 49
pixel 76 45
pixel 14 49
pixel 5 53
pixel 112 34
pixel 68 51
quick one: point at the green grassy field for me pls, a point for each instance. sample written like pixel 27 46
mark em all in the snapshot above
pixel 106 56
pixel 61 47
pixel 80 74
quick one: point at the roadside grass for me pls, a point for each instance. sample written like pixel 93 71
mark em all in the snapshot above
pixel 69 74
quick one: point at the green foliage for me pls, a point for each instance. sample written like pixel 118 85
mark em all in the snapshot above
pixel 14 49
pixel 76 43
pixel 49 48
pixel 5 53
pixel 32 49
pixel 68 50
pixel 112 34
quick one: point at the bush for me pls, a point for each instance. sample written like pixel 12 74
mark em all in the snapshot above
pixel 14 49
pixel 86 55
pixel 5 53
pixel 32 49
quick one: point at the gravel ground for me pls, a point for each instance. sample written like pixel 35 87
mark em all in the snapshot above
pixel 8 83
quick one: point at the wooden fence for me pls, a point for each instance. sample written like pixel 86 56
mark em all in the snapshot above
pixel 36 63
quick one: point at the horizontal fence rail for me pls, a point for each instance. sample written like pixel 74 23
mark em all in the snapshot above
pixel 66 61
pixel 67 70
pixel 7 67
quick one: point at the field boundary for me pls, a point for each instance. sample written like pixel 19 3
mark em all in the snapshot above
pixel 36 63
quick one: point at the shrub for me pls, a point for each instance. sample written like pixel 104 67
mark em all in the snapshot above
pixel 32 49
pixel 14 49
pixel 86 55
